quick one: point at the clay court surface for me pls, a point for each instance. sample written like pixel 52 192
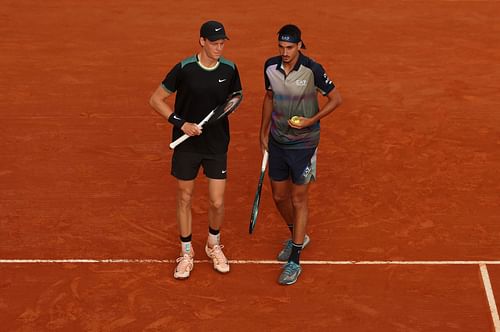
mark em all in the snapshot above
pixel 404 218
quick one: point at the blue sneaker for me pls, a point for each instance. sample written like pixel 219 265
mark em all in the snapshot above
pixel 290 274
pixel 284 254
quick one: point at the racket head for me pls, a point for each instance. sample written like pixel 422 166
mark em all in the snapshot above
pixel 255 207
pixel 228 107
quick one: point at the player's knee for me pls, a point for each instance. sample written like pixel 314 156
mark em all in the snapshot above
pixel 299 202
pixel 217 204
pixel 280 197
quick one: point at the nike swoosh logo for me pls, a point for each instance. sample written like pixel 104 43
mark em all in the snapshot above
pixel 177 118
pixel 217 29
pixel 220 81
pixel 224 172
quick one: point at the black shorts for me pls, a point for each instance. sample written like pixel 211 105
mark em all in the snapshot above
pixel 185 165
pixel 297 164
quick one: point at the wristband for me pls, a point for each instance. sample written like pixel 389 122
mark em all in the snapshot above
pixel 176 120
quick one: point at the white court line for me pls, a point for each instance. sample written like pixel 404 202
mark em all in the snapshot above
pixel 239 261
pixel 482 264
pixel 490 296
pixel 468 1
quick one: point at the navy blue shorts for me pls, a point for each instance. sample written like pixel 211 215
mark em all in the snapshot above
pixel 185 165
pixel 297 164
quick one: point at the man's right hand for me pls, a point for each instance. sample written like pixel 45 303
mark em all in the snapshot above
pixel 191 129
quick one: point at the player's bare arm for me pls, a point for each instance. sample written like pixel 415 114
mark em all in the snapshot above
pixel 158 102
pixel 334 101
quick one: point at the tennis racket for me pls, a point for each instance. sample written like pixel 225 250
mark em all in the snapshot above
pixel 232 102
pixel 256 201
pixel 221 111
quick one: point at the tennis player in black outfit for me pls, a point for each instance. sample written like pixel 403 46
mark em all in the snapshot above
pixel 202 82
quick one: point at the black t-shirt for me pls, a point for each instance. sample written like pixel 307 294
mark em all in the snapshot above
pixel 199 90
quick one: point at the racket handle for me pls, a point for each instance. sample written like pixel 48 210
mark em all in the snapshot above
pixel 178 141
pixel 265 158
pixel 184 137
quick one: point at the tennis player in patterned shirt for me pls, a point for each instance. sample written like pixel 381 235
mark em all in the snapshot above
pixel 290 132
pixel 201 82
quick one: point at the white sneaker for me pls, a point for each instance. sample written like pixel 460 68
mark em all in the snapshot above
pixel 185 265
pixel 221 263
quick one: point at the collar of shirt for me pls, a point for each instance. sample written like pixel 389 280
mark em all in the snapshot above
pixel 299 62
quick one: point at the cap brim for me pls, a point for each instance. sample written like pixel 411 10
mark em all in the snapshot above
pixel 217 37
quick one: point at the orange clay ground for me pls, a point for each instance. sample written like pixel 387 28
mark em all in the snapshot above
pixel 407 170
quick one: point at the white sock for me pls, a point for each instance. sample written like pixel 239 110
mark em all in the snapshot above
pixel 213 239
pixel 186 247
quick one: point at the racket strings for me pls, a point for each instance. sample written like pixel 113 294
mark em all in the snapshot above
pixel 230 106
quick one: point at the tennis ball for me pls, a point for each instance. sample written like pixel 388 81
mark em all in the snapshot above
pixel 295 119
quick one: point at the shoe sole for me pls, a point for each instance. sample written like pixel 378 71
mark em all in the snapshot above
pixel 305 245
pixel 222 272
pixel 184 278
pixel 181 278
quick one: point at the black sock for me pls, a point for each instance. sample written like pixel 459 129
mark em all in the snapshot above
pixel 290 227
pixel 213 231
pixel 295 255
pixel 187 238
